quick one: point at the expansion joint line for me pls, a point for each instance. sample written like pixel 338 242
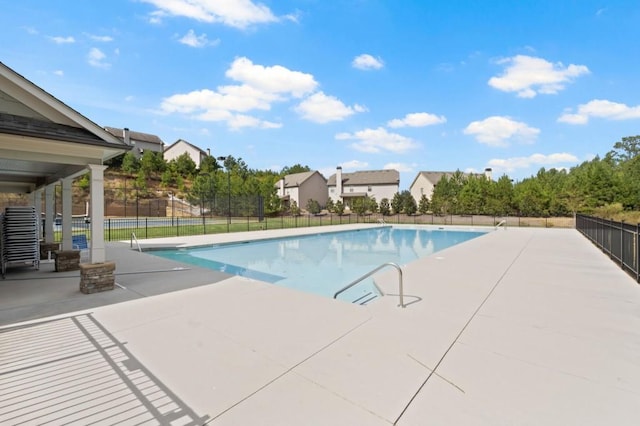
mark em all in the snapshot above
pixel 461 331
pixel 287 371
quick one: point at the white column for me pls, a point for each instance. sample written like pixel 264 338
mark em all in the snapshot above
pixel 67 213
pixel 49 212
pixel 97 248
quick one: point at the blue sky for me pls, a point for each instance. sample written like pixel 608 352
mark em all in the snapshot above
pixel 363 84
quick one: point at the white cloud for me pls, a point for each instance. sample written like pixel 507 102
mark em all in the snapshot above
pixel 401 167
pixel 227 98
pixel 321 108
pixel 193 40
pixel 599 108
pixel 529 76
pixel 103 39
pixel 234 13
pixel 239 121
pixel 377 140
pixel 59 73
pixel 347 167
pixel 418 119
pixel 293 17
pixel 63 40
pixel 354 165
pixel 557 160
pixel 367 62
pixel 499 131
pixel 261 87
pixel 275 79
pixel 96 58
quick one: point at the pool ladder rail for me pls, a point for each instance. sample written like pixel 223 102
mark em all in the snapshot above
pixel 134 238
pixel 367 297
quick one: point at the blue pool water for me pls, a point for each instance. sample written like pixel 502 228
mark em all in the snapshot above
pixel 322 263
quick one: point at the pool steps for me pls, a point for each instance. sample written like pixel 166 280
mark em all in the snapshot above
pixel 366 298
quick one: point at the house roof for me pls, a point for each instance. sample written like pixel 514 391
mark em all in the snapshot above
pixel 42 139
pixel 297 179
pixel 27 126
pixel 368 177
pixel 434 177
pixel 135 136
pixel 183 142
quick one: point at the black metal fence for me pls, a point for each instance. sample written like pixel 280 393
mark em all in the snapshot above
pixel 617 239
pixel 122 228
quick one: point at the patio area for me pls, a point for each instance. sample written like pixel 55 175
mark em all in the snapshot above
pixel 521 326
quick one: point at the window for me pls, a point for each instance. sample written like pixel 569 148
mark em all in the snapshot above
pixel 332 190
pixel 351 189
pixel 369 188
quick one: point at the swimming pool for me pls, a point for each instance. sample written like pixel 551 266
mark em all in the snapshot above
pixel 322 263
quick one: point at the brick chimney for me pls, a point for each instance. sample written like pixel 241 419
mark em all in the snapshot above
pixel 488 173
pixel 339 182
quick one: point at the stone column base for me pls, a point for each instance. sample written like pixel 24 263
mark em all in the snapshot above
pixel 96 277
pixel 47 249
pixel 67 260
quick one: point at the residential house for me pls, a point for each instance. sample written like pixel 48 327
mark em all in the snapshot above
pixel 180 147
pixel 424 182
pixel 376 184
pixel 302 187
pixel 140 142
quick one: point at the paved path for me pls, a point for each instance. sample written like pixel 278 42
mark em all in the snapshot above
pixel 519 327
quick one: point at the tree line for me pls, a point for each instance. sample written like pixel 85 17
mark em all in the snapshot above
pixel 213 179
pixel 598 186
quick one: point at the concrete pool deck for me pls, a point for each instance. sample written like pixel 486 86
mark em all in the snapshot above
pixel 523 326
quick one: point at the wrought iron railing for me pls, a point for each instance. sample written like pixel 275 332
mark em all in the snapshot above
pixel 619 240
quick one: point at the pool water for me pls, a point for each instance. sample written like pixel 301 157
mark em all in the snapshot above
pixel 322 263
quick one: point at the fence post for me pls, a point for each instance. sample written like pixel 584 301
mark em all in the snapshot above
pixel 637 247
pixel 610 239
pixel 622 244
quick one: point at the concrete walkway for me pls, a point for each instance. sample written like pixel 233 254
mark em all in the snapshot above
pixel 518 327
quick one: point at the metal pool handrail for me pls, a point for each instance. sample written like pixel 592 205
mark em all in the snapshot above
pixel 133 238
pixel 502 222
pixel 368 274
